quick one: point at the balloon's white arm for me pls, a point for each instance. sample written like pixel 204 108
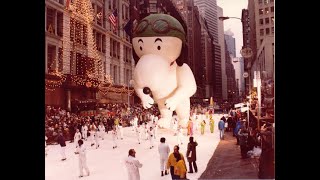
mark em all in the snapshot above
pixel 139 91
pixel 186 83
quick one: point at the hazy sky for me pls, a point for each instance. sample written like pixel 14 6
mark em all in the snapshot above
pixel 233 8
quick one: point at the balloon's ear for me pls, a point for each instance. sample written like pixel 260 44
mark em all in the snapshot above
pixel 135 56
pixel 183 55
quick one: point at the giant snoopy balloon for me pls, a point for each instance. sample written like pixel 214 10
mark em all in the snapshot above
pixel 159 77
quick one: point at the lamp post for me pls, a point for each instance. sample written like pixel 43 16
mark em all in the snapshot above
pixel 129 84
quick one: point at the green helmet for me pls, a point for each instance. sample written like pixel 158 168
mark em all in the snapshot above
pixel 159 25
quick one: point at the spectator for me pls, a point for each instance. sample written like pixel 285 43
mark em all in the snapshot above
pixel 192 155
pixel 221 127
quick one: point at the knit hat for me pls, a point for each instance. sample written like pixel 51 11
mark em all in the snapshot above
pixel 159 25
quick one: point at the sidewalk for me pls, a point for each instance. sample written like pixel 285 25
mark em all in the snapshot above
pixel 226 162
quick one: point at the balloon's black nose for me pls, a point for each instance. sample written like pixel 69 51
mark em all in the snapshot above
pixel 146 90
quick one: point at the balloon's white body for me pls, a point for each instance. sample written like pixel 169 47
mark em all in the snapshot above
pixel 171 85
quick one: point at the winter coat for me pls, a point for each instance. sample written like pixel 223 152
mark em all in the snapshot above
pixel 221 124
pixel 172 160
pixel 180 169
pixel 191 151
pixel 61 140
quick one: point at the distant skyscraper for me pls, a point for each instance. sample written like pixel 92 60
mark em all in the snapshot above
pixel 238 65
pixel 208 10
pixel 223 56
pixel 231 42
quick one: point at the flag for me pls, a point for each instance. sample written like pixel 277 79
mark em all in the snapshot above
pixel 134 15
pixel 113 18
pixel 128 28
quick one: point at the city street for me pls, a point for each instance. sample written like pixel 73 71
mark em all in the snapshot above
pixel 226 162
pixel 107 163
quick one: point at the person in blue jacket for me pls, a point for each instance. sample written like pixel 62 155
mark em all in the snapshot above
pixel 221 128
pixel 236 130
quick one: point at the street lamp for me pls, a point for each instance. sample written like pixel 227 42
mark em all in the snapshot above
pixel 246 52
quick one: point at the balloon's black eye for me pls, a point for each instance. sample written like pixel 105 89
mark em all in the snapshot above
pixel 140 48
pixel 159 48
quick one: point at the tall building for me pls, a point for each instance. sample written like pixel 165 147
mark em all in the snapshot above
pixel 200 61
pixel 223 55
pixel 217 74
pixel 231 81
pixel 238 65
pixel 208 10
pixel 231 42
pixel 84 49
pixel 261 16
pixel 264 17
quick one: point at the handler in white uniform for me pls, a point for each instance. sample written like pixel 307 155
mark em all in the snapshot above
pixel 133 165
pixel 81 150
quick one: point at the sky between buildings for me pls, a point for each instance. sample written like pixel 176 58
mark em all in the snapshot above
pixel 233 8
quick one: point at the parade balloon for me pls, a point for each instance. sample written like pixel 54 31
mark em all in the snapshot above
pixel 160 76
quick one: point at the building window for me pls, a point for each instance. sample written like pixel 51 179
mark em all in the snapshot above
pixel 271 0
pixel 78 32
pixel 98 41
pixel 118 50
pixel 267 20
pixel 60 24
pixel 272 20
pixel 261 21
pixel 71 62
pixel 114 4
pixel 114 49
pixel 261 32
pixel 104 43
pixel 272 8
pixel 260 1
pixel 80 64
pixel 51 21
pixel 109 4
pixel 72 25
pixel 60 59
pixel 127 77
pixel 115 77
pixel 123 11
pixel 260 11
pixel 266 1
pixel 94 12
pixel 266 10
pixel 99 20
pixel 261 41
pixel 267 31
pixel 84 33
pixel 51 56
pixel 272 30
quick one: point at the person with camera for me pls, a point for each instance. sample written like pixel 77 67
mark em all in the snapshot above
pixel 192 155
